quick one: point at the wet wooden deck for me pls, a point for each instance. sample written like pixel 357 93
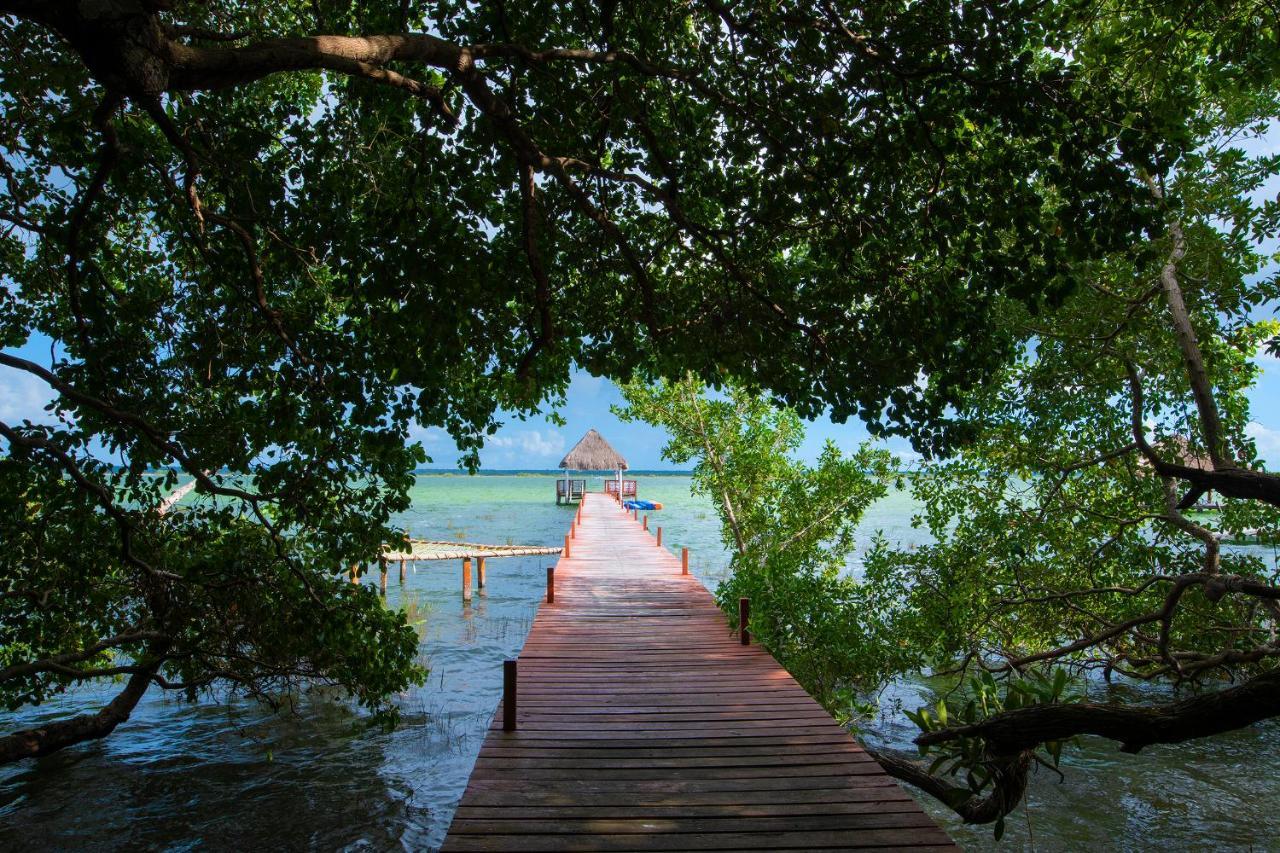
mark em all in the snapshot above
pixel 643 724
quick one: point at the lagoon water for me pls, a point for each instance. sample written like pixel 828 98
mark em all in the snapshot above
pixel 232 776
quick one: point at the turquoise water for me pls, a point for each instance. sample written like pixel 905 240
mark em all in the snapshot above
pixel 215 776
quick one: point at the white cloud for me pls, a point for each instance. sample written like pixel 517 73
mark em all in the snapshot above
pixel 1267 441
pixel 521 446
pixel 23 398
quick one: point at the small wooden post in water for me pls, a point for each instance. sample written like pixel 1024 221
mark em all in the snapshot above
pixel 466 578
pixel 744 615
pixel 551 584
pixel 684 561
pixel 509 695
pixel 480 572
pixel 382 568
pixel 659 537
pixel 402 567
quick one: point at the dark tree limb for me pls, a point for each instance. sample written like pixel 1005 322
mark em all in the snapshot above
pixel 1008 776
pixel 33 743
pixel 1133 727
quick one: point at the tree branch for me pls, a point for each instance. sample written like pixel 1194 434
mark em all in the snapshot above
pixel 1134 727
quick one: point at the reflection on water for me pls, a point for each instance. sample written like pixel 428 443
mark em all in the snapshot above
pixel 209 776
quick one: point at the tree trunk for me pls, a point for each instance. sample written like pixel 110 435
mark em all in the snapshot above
pixel 34 743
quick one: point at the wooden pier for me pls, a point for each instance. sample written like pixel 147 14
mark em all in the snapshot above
pixel 643 723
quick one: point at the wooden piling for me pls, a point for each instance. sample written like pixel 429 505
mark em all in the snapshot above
pixel 355 574
pixel 659 537
pixel 646 521
pixel 566 546
pixel 509 695
pixel 551 584
pixel 744 617
pixel 402 572
pixel 480 572
pixel 466 578
pixel 382 571
pixel 684 561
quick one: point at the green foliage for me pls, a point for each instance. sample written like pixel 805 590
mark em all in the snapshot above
pixel 788 525
pixel 979 698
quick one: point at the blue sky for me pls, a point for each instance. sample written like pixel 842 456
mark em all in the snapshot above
pixel 537 444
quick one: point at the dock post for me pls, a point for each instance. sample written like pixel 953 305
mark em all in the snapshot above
pixel 402 566
pixel 355 574
pixel 744 615
pixel 573 530
pixel 466 578
pixel 480 572
pixel 659 537
pixel 382 570
pixel 566 546
pixel 684 561
pixel 509 695
pixel 551 584
pixel 646 521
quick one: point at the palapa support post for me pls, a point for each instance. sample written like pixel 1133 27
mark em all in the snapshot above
pixel 509 695
pixel 566 546
pixel 466 578
pixel 402 572
pixel 382 570
pixel 480 572
pixel 659 537
pixel 744 616
pixel 551 584
pixel 684 561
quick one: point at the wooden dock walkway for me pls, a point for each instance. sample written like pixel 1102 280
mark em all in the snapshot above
pixel 643 724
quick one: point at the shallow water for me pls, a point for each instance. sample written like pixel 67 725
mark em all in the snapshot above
pixel 207 776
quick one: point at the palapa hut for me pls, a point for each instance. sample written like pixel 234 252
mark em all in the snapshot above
pixel 1179 450
pixel 592 453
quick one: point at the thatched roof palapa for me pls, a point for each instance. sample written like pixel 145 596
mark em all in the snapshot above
pixel 593 453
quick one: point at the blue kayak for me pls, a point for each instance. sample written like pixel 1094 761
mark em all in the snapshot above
pixel 636 504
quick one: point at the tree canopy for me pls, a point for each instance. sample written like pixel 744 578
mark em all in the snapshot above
pixel 266 240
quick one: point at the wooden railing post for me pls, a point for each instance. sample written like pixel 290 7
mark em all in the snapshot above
pixel 551 584
pixel 509 695
pixel 480 572
pixel 573 530
pixel 645 525
pixel 744 617
pixel 466 578
pixel 659 537
pixel 684 561
pixel 566 546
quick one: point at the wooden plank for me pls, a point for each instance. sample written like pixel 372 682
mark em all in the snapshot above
pixel 643 724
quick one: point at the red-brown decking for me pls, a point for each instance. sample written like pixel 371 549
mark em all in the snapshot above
pixel 645 725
